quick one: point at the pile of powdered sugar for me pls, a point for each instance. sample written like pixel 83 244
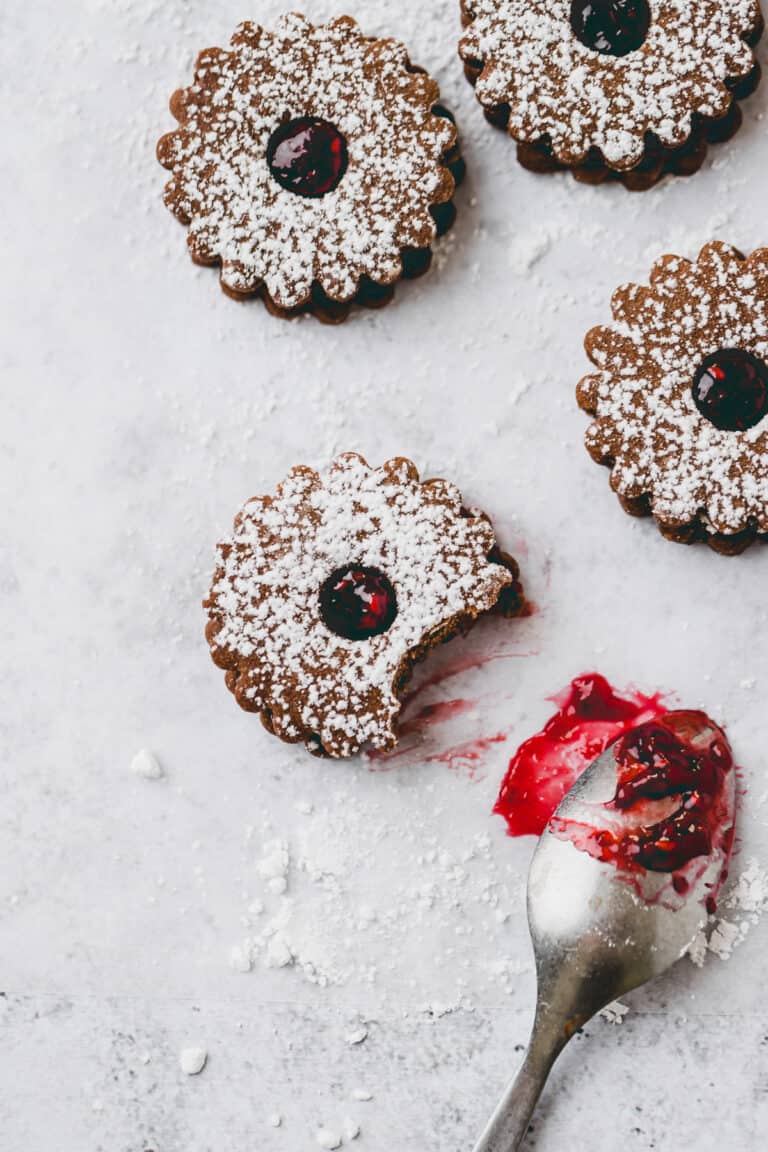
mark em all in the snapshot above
pixel 349 895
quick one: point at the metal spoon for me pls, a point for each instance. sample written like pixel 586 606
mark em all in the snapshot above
pixel 594 940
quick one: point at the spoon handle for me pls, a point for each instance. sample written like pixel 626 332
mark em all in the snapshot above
pixel 509 1123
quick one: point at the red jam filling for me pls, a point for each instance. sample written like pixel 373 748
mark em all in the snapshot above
pixel 358 603
pixel 683 757
pixel 611 27
pixel 307 156
pixel 590 717
pixel 731 390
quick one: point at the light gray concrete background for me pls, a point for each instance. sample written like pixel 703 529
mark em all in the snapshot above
pixel 140 407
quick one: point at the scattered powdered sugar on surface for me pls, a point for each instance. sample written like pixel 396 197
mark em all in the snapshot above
pixel 528 247
pixel 371 901
pixel 261 232
pixel 581 98
pixel 743 903
pixel 264 604
pixel 647 422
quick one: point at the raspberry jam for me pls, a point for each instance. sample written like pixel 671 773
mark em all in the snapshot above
pixel 731 389
pixel 591 716
pixel 358 603
pixel 670 804
pixel 307 156
pixel 611 27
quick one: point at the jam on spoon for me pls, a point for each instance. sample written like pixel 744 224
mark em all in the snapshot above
pixel 672 803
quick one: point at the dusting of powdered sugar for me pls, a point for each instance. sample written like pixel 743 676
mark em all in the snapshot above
pixel 264 607
pixel 743 903
pixel 580 98
pixel 414 929
pixel 648 425
pixel 262 233
pixel 615 1013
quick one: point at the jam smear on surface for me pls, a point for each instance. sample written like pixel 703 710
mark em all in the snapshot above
pixel 682 756
pixel 590 717
pixel 307 156
pixel 358 603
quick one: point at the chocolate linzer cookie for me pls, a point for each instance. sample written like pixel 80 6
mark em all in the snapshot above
pixel 328 592
pixel 626 90
pixel 681 398
pixel 315 165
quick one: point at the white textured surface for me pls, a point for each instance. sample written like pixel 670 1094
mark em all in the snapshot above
pixel 140 408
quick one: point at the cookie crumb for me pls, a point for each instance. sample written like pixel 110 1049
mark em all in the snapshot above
pixel 193 1060
pixel 147 766
pixel 328 1139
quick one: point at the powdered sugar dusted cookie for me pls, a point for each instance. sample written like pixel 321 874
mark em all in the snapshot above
pixel 620 89
pixel 328 592
pixel 681 397
pixel 313 164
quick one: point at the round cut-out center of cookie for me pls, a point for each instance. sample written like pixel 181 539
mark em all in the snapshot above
pixel 731 389
pixel 611 27
pixel 358 603
pixel 307 156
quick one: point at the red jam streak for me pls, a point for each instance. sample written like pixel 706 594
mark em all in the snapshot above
pixel 590 717
pixel 469 756
pixel 431 714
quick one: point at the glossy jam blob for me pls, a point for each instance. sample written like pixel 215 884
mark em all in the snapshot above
pixel 358 603
pixel 731 390
pixel 683 758
pixel 611 27
pixel 307 156
pixel 591 715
